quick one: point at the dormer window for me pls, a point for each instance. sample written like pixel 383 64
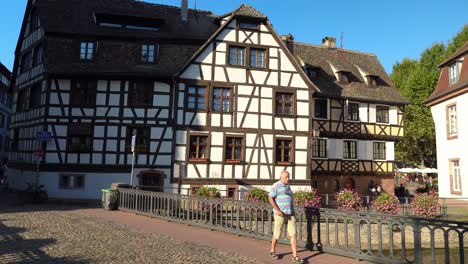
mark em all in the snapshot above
pixel 128 22
pixel 311 72
pixel 453 73
pixel 343 77
pixel 248 25
pixel 372 81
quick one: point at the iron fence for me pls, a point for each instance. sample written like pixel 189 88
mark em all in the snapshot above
pixel 361 235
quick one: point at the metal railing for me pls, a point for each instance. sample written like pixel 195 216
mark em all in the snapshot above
pixel 361 235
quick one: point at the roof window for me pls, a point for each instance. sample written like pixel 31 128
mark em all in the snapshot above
pixel 128 22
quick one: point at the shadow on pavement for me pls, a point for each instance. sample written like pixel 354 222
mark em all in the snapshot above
pixel 15 249
pixel 10 203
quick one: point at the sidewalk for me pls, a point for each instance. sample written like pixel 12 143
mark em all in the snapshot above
pixel 247 247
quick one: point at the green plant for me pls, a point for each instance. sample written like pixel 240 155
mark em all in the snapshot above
pixel 307 198
pixel 386 203
pixel 257 195
pixel 348 200
pixel 211 192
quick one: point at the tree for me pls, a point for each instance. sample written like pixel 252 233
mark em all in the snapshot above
pixel 416 80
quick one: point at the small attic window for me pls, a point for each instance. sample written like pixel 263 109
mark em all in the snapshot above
pixel 311 72
pixel 128 22
pixel 372 81
pixel 344 77
pixel 248 24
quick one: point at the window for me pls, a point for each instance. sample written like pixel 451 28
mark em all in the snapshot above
pixel 349 149
pixel 284 103
pixel 379 150
pixel 321 108
pixel 26 60
pixel 236 55
pixel 452 121
pixel 83 93
pixel 453 73
pixel 86 50
pixel 233 151
pixel 34 21
pixel 344 77
pixel 128 22
pixel 381 114
pixel 80 138
pixel 140 93
pixel 222 99
pixel 37 55
pixel 149 53
pixel 319 148
pixel 232 192
pixel 71 181
pixel 353 111
pixel 372 81
pixel 35 96
pixel 196 99
pixel 312 72
pixel 2 120
pixel 15 141
pixel 22 102
pixel 198 148
pixel 143 137
pixel 248 25
pixel 257 58
pixel 284 151
pixel 455 176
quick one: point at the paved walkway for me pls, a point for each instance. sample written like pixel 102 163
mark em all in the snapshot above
pixel 71 234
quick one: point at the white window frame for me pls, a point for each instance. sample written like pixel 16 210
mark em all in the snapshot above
pixel 456 183
pixel 358 112
pixel 453 73
pixel 452 120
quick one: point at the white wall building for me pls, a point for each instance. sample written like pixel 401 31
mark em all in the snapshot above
pixel 449 105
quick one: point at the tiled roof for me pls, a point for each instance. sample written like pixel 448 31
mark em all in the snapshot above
pixel 325 58
pixel 179 40
pixel 4 70
pixel 246 10
pixel 78 17
pixel 460 52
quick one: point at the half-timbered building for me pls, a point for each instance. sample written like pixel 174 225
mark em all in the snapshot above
pixel 358 113
pixel 5 110
pixel 213 100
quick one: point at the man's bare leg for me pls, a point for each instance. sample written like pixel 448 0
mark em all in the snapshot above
pixel 274 241
pixel 294 246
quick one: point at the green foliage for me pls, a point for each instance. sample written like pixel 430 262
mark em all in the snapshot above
pixel 211 192
pixel 416 80
pixel 257 195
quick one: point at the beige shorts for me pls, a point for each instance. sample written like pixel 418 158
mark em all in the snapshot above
pixel 278 225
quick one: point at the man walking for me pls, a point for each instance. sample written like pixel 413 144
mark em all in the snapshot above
pixel 281 198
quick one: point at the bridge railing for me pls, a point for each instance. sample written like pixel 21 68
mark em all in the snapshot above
pixel 361 235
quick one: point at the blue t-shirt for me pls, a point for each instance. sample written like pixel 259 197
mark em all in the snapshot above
pixel 283 196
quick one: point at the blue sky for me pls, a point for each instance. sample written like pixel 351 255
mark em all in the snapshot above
pixel 392 29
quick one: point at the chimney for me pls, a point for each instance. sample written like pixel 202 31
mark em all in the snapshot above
pixel 329 42
pixel 289 41
pixel 184 11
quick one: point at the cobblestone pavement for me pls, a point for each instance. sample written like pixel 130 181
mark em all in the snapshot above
pixel 60 234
